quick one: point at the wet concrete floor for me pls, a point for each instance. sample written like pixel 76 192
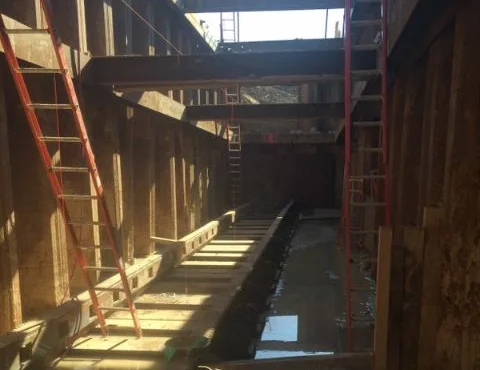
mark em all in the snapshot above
pixel 308 308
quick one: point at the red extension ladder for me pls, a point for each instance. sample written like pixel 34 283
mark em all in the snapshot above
pixel 69 203
pixel 371 176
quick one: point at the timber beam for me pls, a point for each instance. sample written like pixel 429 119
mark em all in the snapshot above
pixel 265 68
pixel 247 112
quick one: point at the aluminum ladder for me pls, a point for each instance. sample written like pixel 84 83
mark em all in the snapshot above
pixel 229 27
pixel 99 223
pixel 232 97
pixel 373 172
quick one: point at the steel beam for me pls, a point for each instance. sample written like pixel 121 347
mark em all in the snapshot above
pixel 206 6
pixel 247 112
pixel 285 138
pixel 182 71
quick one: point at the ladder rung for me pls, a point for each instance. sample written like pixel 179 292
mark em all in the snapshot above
pixel 50 106
pixel 39 70
pixel 26 31
pixel 93 247
pixel 361 232
pixel 366 73
pixel 362 289
pixel 86 223
pixel 77 197
pixel 109 289
pixel 371 150
pixel 367 98
pixel 367 124
pixel 367 319
pixel 367 177
pixel 366 47
pixel 366 22
pixel 101 268
pixel 60 139
pixel 104 308
pixel 373 204
pixel 69 169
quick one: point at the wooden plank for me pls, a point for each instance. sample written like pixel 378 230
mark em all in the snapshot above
pixel 431 284
pixel 382 307
pixel 396 299
pixel 412 293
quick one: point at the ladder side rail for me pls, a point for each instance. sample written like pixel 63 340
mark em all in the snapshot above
pixel 384 113
pixel 348 97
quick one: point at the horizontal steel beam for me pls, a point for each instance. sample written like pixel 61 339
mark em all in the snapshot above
pixel 282 138
pixel 247 112
pixel 207 6
pixel 281 45
pixel 209 70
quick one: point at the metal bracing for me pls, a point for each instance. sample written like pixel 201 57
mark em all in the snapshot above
pixel 67 156
pixel 366 183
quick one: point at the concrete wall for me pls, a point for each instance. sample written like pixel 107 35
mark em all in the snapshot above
pixel 435 145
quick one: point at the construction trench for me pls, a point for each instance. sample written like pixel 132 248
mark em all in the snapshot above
pixel 175 196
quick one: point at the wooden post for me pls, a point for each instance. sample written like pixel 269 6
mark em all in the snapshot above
pixel 126 152
pixel 437 107
pixel 144 185
pixel 10 298
pixel 410 149
pixel 181 183
pixel 100 35
pixel 382 309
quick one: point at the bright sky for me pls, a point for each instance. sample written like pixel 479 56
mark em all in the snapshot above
pixel 280 25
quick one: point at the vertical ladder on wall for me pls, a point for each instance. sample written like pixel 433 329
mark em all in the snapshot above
pixel 232 97
pixel 89 235
pixel 229 27
pixel 373 173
